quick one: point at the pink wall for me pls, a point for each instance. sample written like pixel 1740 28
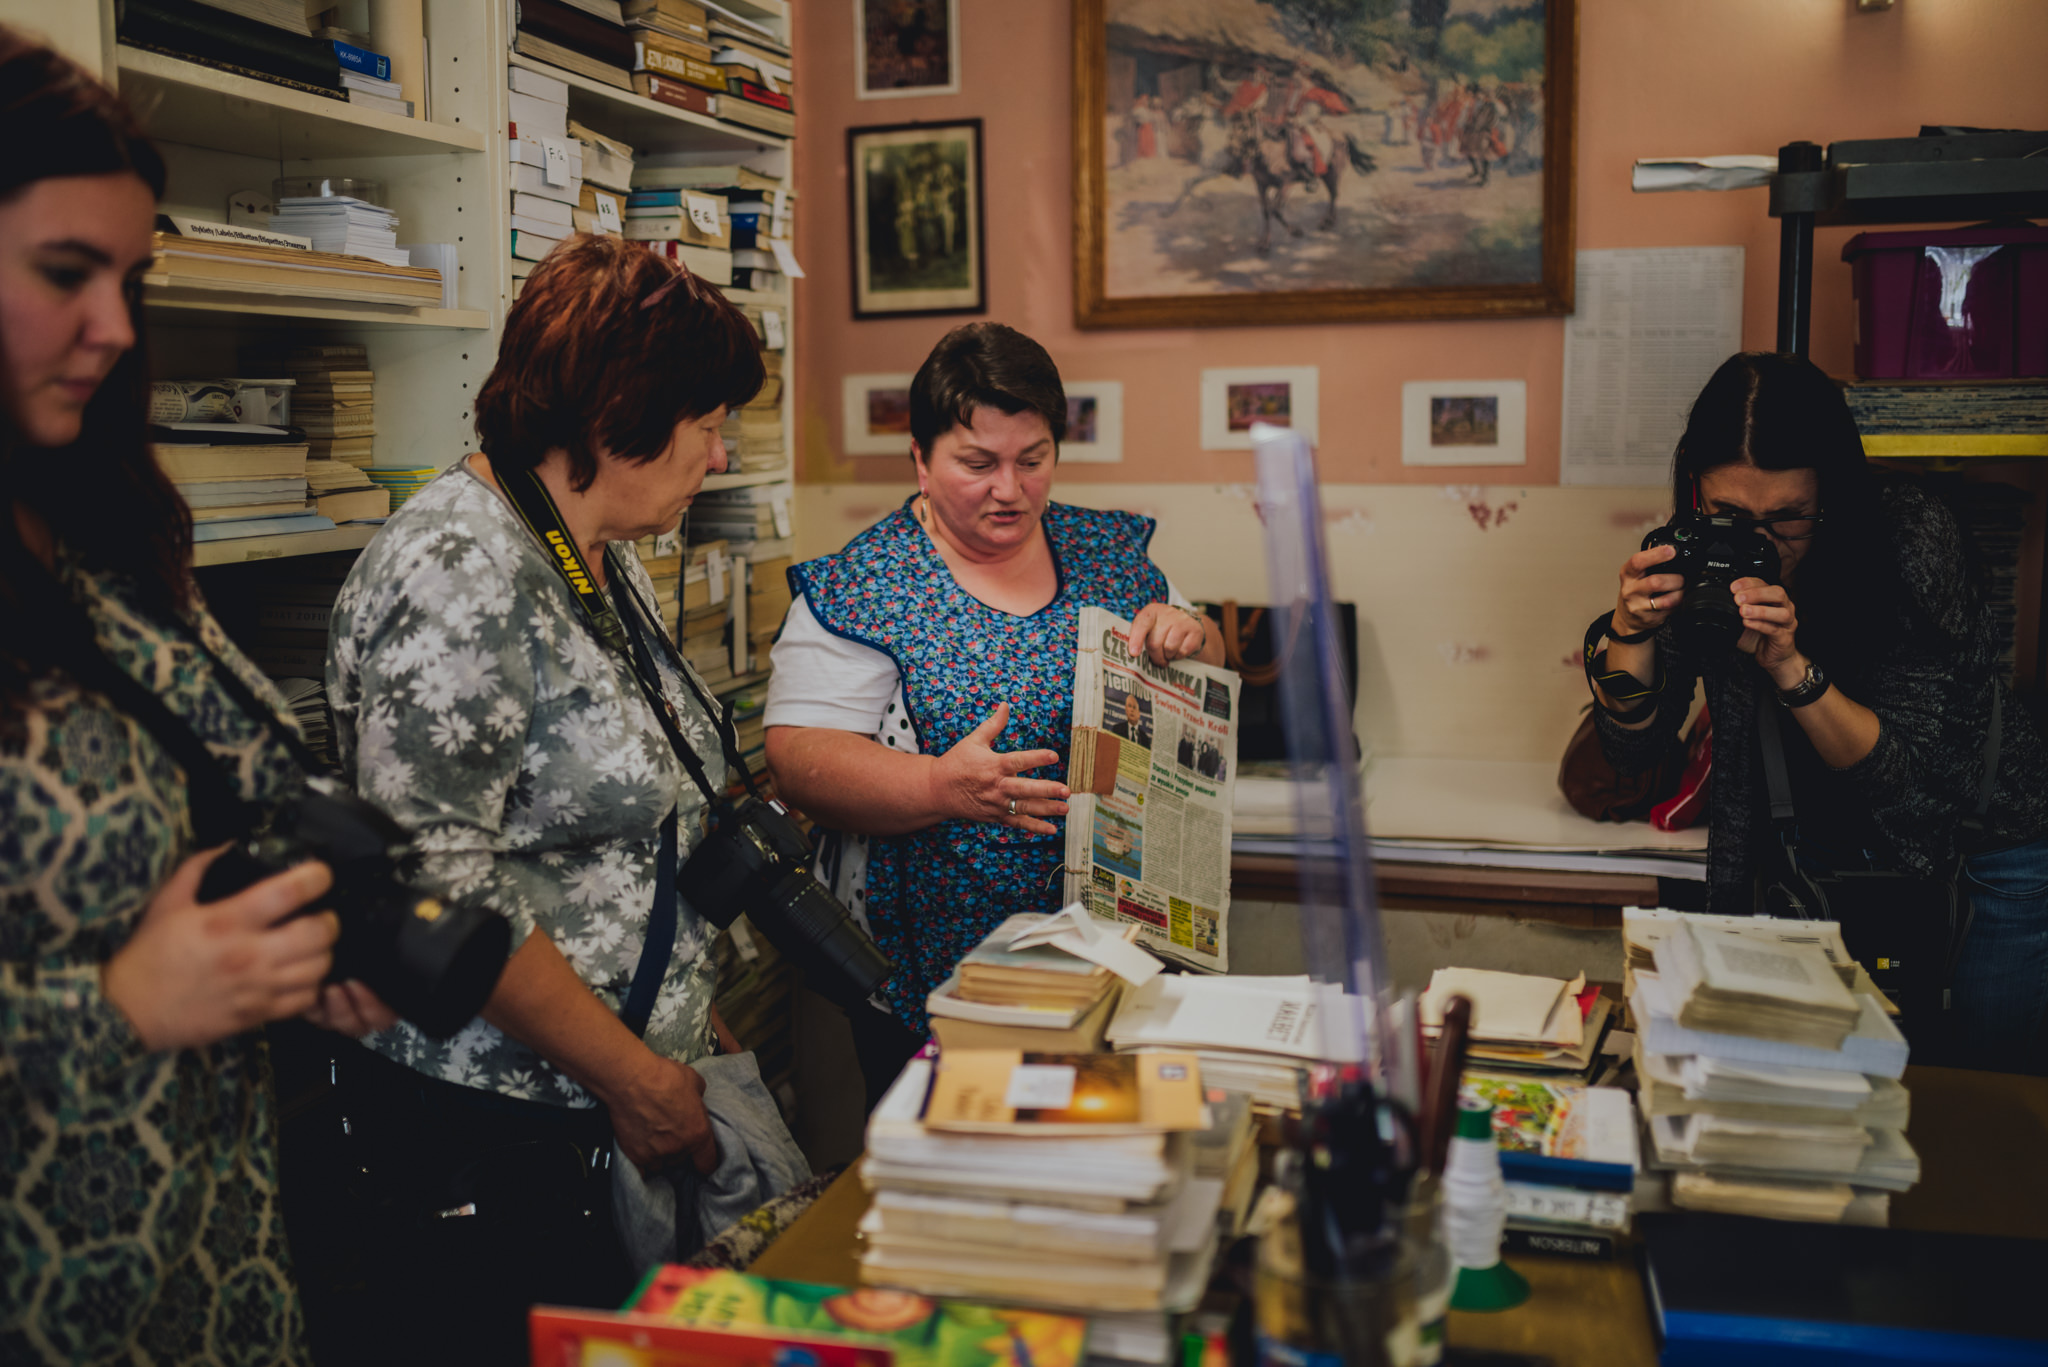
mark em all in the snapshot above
pixel 1656 77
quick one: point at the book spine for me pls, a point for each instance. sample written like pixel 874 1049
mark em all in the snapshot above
pixel 650 58
pixel 670 92
pixel 362 60
pixel 579 32
pixel 759 94
pixel 1558 1243
pixel 1566 1172
pixel 186 27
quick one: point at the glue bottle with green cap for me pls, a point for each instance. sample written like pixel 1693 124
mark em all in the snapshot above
pixel 1476 1214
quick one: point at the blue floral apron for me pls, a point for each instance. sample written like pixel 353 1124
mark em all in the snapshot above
pixel 934 894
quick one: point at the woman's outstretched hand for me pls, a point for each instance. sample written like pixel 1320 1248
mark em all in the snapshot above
pixel 196 972
pixel 976 782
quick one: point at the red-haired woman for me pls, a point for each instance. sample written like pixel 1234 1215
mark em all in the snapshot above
pixel 138 1161
pixel 503 689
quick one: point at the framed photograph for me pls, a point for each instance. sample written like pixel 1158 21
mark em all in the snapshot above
pixel 906 47
pixel 1465 422
pixel 1232 400
pixel 1095 422
pixel 1242 162
pixel 875 415
pixel 916 217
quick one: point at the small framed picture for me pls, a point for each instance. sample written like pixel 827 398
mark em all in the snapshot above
pixel 906 47
pixel 1232 400
pixel 875 413
pixel 916 219
pixel 1465 422
pixel 1095 422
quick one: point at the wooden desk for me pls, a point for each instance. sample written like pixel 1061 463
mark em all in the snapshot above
pixel 1980 1136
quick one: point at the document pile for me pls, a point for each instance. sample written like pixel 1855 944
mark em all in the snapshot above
pixel 1770 1086
pixel 1039 983
pixel 343 224
pixel 1253 1035
pixel 1064 1181
pixel 1521 1021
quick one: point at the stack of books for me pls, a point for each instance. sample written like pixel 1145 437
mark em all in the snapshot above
pixel 366 76
pixel 544 196
pixel 1254 1035
pixel 753 437
pixel 1783 1111
pixel 239 480
pixel 661 555
pixel 747 204
pixel 342 224
pixel 768 600
pixel 586 37
pixel 1040 999
pixel 683 225
pixel 705 613
pixel 607 179
pixel 1570 1157
pixel 1523 1022
pixel 1062 1181
pixel 334 400
pixel 672 54
pixel 749 724
pixel 265 40
pixel 343 493
pixel 760 89
pixel 258 268
pixel 756 227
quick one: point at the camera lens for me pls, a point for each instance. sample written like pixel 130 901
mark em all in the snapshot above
pixel 807 924
pixel 441 961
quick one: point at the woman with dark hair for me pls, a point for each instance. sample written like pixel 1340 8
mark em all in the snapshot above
pixel 503 688
pixel 137 1121
pixel 885 708
pixel 1876 648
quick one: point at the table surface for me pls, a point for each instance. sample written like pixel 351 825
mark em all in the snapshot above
pixel 1980 1137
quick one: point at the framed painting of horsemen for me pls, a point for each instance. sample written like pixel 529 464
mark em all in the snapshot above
pixel 915 211
pixel 1244 162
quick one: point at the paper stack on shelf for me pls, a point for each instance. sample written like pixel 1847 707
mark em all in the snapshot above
pixel 1519 1021
pixel 549 188
pixel 1039 996
pixel 1754 1117
pixel 706 612
pixel 754 442
pixel 683 225
pixel 1256 1035
pixel 366 76
pixel 759 81
pixel 607 177
pixel 572 37
pixel 342 224
pixel 288 272
pixel 344 493
pixel 661 555
pixel 672 54
pixel 333 399
pixel 1041 1202
pixel 1569 1155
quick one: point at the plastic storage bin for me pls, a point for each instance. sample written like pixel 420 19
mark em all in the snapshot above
pixel 1951 304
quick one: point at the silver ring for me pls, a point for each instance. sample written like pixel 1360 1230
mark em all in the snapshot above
pixel 1013 806
pixel 1653 602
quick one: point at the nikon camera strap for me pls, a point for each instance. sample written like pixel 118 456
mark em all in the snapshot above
pixel 615 623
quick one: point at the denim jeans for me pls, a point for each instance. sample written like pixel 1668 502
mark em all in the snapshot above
pixel 2000 1017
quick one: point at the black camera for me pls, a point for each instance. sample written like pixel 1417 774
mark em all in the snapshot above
pixel 754 859
pixel 433 962
pixel 1713 552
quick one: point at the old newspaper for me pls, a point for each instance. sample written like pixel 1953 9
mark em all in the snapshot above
pixel 1152 769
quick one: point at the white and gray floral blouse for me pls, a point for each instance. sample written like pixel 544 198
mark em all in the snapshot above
pixel 475 706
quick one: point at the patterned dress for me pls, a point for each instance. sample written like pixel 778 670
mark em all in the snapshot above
pixel 934 894
pixel 140 1222
pixel 476 708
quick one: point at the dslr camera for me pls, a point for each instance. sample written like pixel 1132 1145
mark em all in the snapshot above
pixel 432 961
pixel 1713 552
pixel 754 859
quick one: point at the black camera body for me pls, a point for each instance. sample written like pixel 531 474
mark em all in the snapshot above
pixel 754 859
pixel 433 962
pixel 1713 552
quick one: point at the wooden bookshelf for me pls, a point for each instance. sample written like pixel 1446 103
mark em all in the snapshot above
pixel 204 306
pixel 198 106
pixel 350 536
pixel 642 122
pixel 746 478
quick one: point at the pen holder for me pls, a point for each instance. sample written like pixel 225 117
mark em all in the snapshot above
pixel 1308 1321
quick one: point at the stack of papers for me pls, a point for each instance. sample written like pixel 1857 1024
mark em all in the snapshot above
pixel 1044 984
pixel 1817 1202
pixel 1522 1021
pixel 1730 983
pixel 1256 1035
pixel 342 224
pixel 1046 1207
pixel 1677 1084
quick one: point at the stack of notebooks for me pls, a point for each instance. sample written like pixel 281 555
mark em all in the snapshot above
pixel 1570 1158
pixel 255 268
pixel 1256 1035
pixel 266 40
pixel 1061 1181
pixel 705 612
pixel 402 484
pixel 333 400
pixel 1770 1087
pixel 343 225
pixel 1040 999
pixel 545 197
pixel 1522 1021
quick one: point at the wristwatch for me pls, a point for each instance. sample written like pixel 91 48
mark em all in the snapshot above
pixel 1807 689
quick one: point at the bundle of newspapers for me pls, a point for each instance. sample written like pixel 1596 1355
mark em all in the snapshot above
pixel 1152 770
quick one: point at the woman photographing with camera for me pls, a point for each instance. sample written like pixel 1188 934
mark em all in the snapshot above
pixel 1872 665
pixel 137 1122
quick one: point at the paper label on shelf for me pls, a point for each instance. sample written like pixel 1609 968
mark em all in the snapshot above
pixel 1040 1087
pixel 703 212
pixel 554 169
pixel 780 508
pixel 771 328
pixel 714 573
pixel 608 216
pixel 785 257
pixel 778 217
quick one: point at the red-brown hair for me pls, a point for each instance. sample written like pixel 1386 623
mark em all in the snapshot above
pixel 608 347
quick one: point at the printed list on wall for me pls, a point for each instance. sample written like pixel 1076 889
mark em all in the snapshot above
pixel 1651 326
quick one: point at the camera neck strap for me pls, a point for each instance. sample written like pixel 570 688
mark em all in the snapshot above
pixel 613 620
